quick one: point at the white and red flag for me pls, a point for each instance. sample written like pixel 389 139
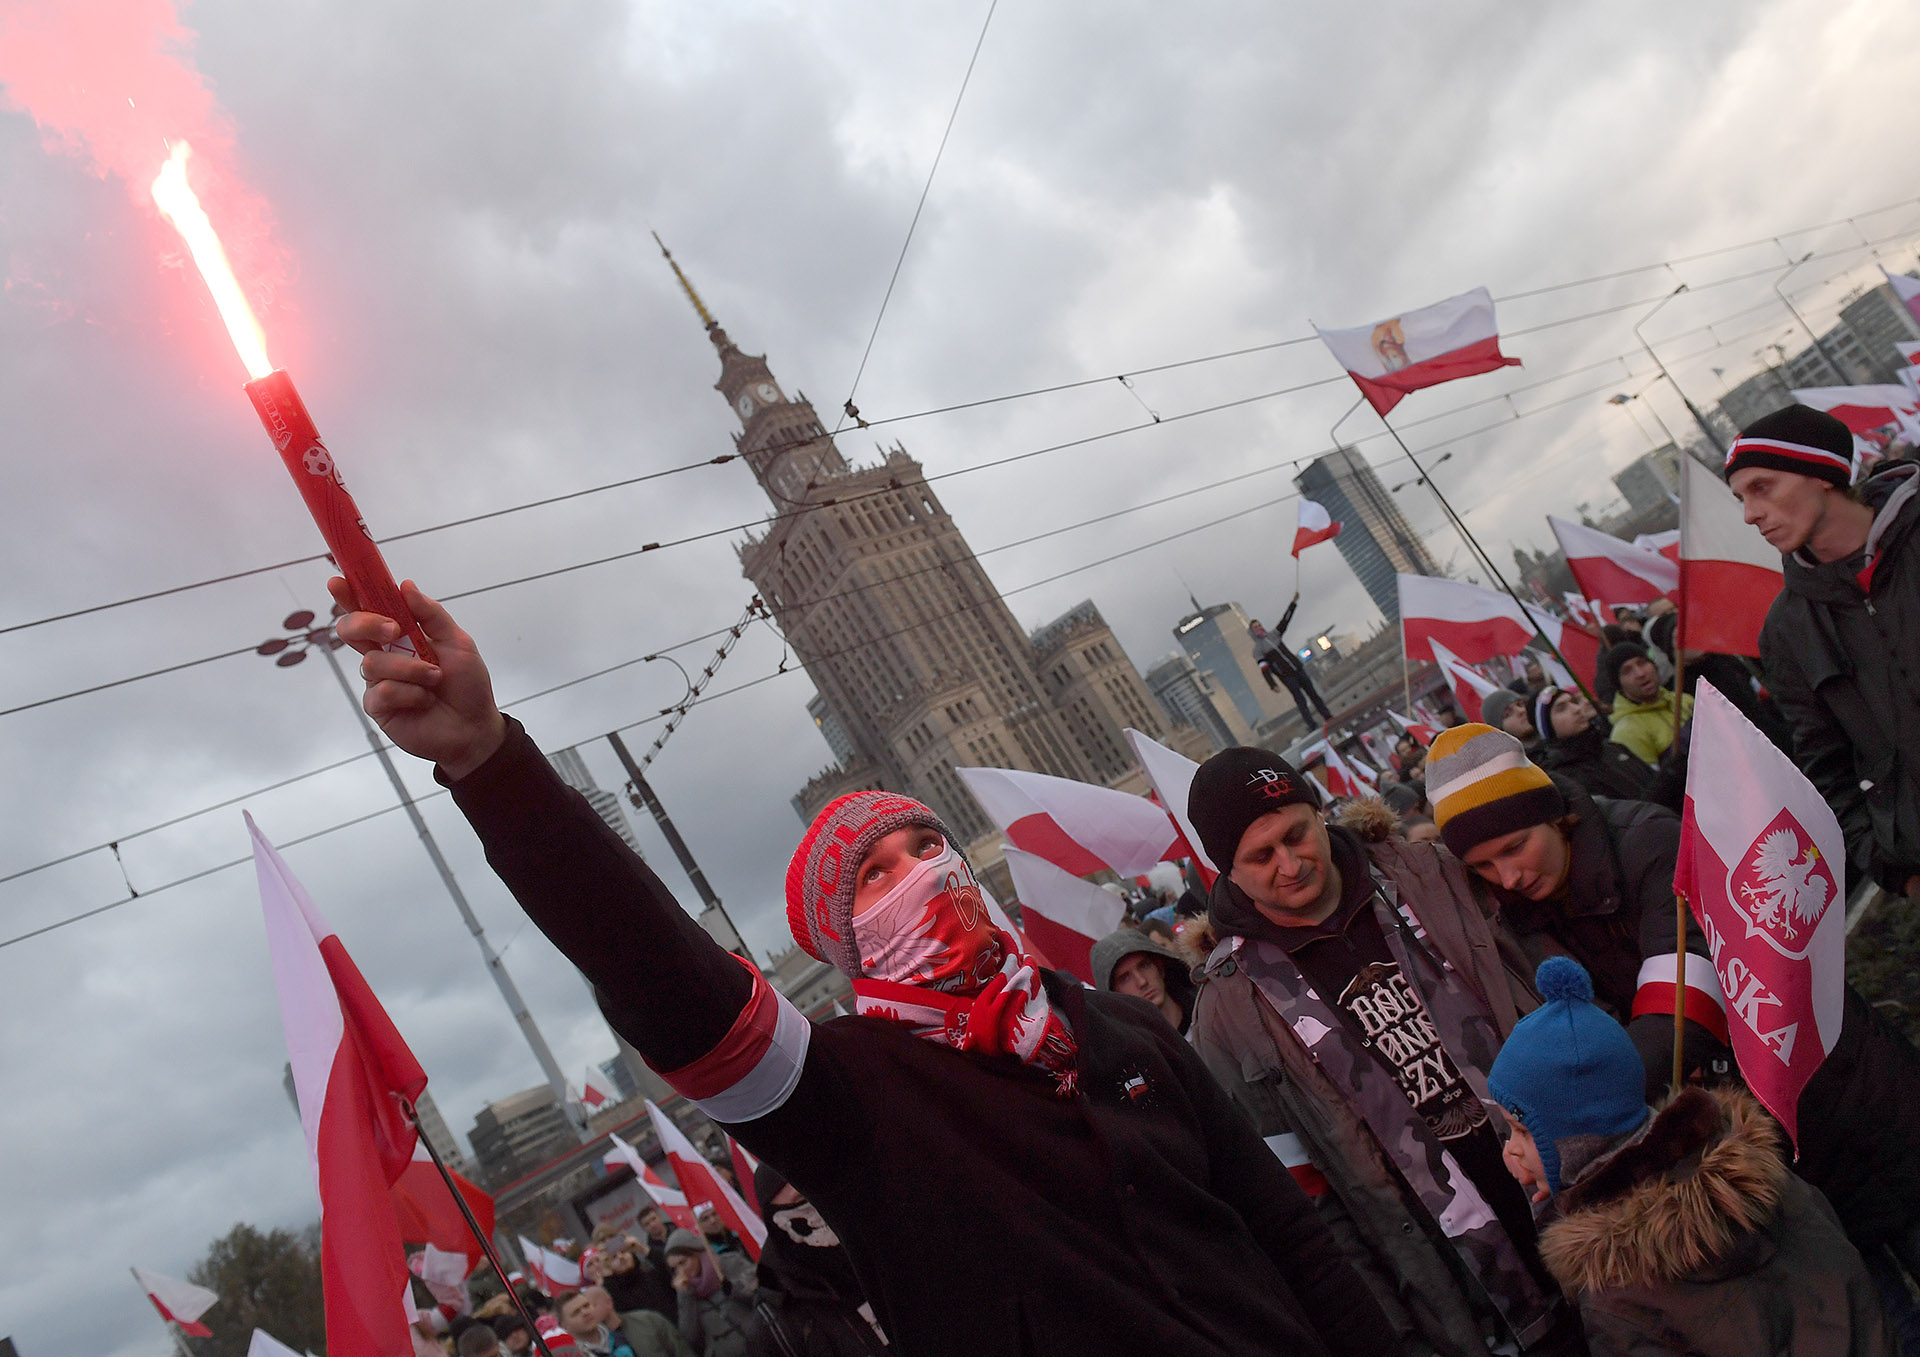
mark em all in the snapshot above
pixel 1764 866
pixel 1316 525
pixel 702 1185
pixel 1345 778
pixel 1172 777
pixel 351 1069
pixel 1906 289
pixel 178 1302
pixel 1729 576
pixel 426 1212
pixel 1909 351
pixel 744 1164
pixel 1666 543
pixel 1478 624
pixel 444 1274
pixel 551 1272
pixel 1422 732
pixel 1078 827
pixel 1439 343
pixel 1470 687
pixel 669 1199
pixel 1862 409
pixel 1062 913
pixel 598 1091
pixel 1612 570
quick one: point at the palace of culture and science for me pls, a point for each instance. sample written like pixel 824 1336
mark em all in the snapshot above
pixel 919 663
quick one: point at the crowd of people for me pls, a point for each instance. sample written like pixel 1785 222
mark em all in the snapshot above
pixel 1397 1081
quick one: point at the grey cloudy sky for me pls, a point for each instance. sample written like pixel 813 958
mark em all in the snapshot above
pixel 477 317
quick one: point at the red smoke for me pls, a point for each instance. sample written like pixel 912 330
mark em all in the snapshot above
pixel 113 82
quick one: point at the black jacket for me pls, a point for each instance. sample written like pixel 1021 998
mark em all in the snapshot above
pixel 1618 911
pixel 982 1212
pixel 1843 662
pixel 1597 764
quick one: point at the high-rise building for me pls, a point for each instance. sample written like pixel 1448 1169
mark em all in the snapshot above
pixel 1650 482
pixel 919 664
pixel 1217 641
pixel 434 1127
pixel 1375 537
pixel 573 771
pixel 519 1133
pixel 1189 696
pixel 1095 686
pixel 1879 320
pixel 1761 394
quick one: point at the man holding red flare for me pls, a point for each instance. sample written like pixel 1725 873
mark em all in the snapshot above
pixel 1015 1164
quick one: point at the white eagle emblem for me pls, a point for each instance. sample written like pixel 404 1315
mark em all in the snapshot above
pixel 1784 886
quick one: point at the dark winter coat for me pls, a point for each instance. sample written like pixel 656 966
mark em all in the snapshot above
pixel 1694 1238
pixel 1596 763
pixel 1111 950
pixel 717 1325
pixel 1843 662
pixel 1617 912
pixel 1253 1045
pixel 792 1320
pixel 983 1213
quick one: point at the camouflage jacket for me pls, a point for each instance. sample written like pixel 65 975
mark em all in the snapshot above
pixel 1450 1277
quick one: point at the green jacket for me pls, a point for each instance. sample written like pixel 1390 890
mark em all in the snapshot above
pixel 1647 727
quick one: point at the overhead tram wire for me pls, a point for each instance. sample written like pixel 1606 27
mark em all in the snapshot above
pixel 1119 431
pixel 723 459
pixel 988 551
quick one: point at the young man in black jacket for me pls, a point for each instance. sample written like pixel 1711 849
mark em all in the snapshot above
pixel 1015 1164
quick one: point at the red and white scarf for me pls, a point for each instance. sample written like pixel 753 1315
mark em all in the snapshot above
pixel 931 958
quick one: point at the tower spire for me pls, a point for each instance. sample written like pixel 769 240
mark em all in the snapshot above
pixel 692 296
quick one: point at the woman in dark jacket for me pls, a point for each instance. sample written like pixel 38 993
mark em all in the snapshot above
pixel 1574 746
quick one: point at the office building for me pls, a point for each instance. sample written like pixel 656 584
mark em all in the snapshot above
pixel 1189 697
pixel 1376 540
pixel 434 1127
pixel 1215 638
pixel 519 1133
pixel 1880 320
pixel 1096 688
pixel 573 771
pixel 1651 483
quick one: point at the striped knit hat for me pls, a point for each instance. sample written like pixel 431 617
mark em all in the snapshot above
pixel 1483 785
pixel 1799 439
pixel 821 876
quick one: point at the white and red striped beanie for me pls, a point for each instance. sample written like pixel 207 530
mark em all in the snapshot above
pixel 822 874
pixel 1799 439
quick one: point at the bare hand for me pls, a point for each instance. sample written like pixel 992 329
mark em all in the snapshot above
pixel 443 712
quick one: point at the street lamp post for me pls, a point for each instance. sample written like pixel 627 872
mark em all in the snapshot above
pixel 1839 377
pixel 1712 434
pixel 291 650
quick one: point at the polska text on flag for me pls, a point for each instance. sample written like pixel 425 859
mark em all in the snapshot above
pixel 1729 576
pixel 1315 525
pixel 1450 339
pixel 351 1069
pixel 1763 865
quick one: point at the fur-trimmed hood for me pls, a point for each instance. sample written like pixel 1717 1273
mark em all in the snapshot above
pixel 1686 1196
pixel 1367 816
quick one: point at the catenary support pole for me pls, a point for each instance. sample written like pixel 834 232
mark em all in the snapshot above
pixel 496 967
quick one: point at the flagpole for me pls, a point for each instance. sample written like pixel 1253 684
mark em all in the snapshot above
pixel 1679 987
pixel 1473 543
pixel 173 1329
pixel 486 1245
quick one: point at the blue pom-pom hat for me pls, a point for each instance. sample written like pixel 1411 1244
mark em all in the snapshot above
pixel 1568 1069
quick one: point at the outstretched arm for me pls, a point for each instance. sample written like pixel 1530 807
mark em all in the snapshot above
pixel 700 1016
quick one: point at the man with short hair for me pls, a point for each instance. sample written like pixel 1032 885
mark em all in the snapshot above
pixel 478 1340
pixel 1643 719
pixel 1014 1163
pixel 1353 1005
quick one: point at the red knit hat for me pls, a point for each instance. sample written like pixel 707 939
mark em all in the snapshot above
pixel 820 878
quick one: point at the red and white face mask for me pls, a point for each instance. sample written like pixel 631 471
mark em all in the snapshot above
pixel 931 930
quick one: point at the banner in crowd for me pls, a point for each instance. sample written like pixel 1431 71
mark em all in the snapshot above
pixel 550 1272
pixel 1061 912
pixel 1729 576
pixel 670 1200
pixel 701 1183
pixel 1611 570
pixel 1440 343
pixel 1316 525
pixel 1480 624
pixel 1077 826
pixel 1867 410
pixel 1171 774
pixel 351 1068
pixel 1763 866
pixel 178 1302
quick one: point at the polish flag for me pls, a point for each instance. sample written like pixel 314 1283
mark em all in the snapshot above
pixel 1764 866
pixel 1344 777
pixel 598 1091
pixel 1064 914
pixel 1078 827
pixel 1422 733
pixel 351 1073
pixel 1909 351
pixel 1453 338
pixel 1906 289
pixel 744 1165
pixel 1729 576
pixel 426 1212
pixel 1479 624
pixel 1316 525
pixel 1607 568
pixel 669 1199
pixel 1470 686
pixel 1172 777
pixel 702 1184
pixel 178 1302
pixel 445 1276
pixel 1861 408
pixel 550 1272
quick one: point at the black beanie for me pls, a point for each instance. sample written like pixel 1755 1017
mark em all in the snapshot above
pixel 1617 656
pixel 1799 439
pixel 1236 787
